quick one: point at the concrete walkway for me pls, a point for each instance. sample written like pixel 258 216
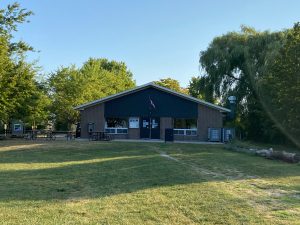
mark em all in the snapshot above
pixel 162 141
pixel 158 141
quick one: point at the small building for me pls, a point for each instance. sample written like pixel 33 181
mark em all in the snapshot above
pixel 146 111
pixel 17 128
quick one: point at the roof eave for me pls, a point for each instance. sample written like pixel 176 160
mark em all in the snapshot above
pixel 111 97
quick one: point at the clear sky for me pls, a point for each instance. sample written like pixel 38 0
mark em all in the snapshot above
pixel 155 38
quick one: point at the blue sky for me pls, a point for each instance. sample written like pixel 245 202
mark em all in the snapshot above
pixel 156 39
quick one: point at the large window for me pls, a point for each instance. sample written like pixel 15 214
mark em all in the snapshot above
pixel 116 125
pixel 185 126
pixel 116 122
pixel 180 123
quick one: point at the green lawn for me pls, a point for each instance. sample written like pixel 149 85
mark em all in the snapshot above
pixel 143 183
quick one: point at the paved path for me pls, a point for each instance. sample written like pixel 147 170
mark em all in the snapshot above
pixel 161 141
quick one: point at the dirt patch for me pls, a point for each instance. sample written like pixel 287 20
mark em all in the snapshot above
pixel 163 154
pixel 193 166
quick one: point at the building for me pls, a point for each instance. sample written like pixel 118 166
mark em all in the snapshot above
pixel 146 111
pixel 17 128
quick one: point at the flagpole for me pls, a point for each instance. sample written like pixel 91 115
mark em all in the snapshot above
pixel 150 124
pixel 152 106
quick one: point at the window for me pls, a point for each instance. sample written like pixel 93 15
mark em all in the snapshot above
pixel 185 132
pixel 191 132
pixel 179 131
pixel 116 126
pixel 116 123
pixel 186 127
pixel 110 130
pixel 116 130
pixel 122 130
pixel 180 123
pixel 17 127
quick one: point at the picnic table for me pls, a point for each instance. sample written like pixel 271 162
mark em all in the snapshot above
pixel 40 134
pixel 99 136
pixel 49 135
pixel 70 135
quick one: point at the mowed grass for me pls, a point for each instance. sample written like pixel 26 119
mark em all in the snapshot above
pixel 143 183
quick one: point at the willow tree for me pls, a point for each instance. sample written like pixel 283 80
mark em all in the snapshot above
pixel 200 87
pixel 234 63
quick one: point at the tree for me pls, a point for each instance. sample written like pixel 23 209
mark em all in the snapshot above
pixel 36 108
pixel 200 88
pixel 6 66
pixel 21 97
pixel 10 18
pixel 66 88
pixel 279 90
pixel 71 86
pixel 171 84
pixel 234 63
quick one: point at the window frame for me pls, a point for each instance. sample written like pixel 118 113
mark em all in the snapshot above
pixel 185 132
pixel 117 130
pixel 186 129
pixel 19 127
pixel 114 130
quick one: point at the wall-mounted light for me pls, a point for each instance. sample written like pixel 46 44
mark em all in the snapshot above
pixel 232 101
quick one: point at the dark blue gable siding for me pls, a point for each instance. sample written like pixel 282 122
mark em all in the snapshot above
pixel 137 104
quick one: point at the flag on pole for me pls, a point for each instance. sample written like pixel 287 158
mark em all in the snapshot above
pixel 152 105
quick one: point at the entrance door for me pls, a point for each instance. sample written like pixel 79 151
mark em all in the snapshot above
pixel 146 132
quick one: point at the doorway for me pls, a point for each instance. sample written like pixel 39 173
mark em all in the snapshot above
pixel 150 128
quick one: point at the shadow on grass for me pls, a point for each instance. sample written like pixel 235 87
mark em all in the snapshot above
pixel 140 168
pixel 59 152
pixel 93 180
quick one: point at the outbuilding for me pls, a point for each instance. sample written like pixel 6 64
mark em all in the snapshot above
pixel 146 111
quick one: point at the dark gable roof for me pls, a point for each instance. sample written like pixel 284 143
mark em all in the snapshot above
pixel 127 92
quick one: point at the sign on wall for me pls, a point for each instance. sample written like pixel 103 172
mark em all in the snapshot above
pixel 134 122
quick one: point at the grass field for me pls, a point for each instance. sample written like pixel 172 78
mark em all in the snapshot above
pixel 143 183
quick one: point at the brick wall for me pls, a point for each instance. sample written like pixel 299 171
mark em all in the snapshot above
pixel 93 114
